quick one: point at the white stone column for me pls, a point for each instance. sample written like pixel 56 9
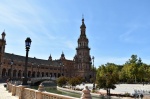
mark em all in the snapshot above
pixel 6 74
pixel 0 70
pixel 35 74
pixel 27 74
pixel 50 75
pixel 56 75
pixel 21 74
pixel 16 74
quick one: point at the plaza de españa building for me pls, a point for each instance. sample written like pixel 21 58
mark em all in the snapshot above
pixel 13 65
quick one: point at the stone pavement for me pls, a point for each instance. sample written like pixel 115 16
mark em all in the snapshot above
pixel 4 94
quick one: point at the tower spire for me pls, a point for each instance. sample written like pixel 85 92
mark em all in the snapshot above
pixel 82 16
pixel 83 28
pixel 83 20
pixel 3 34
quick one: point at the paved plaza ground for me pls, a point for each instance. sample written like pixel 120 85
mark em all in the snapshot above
pixel 5 94
pixel 124 88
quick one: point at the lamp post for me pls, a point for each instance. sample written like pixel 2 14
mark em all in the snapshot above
pixel 32 70
pixel 60 69
pixel 27 44
pixel 93 74
pixel 1 70
pixel 38 71
pixel 63 70
pixel 11 63
pixel 49 71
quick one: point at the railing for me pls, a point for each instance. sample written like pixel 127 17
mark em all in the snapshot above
pixel 47 95
pixel 27 93
pixel 38 78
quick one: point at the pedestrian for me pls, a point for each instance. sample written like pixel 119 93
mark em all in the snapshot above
pixel 141 95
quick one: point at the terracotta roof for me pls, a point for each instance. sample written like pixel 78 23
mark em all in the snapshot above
pixel 34 60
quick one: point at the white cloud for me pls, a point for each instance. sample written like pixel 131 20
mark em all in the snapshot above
pixel 71 45
pixel 24 16
pixel 126 36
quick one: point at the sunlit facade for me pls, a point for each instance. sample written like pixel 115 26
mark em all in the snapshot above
pixel 12 65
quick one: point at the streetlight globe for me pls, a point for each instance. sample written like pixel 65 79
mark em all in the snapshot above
pixel 28 42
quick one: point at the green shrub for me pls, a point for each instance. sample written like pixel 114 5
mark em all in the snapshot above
pixel 62 81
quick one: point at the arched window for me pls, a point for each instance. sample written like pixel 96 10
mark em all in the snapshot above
pixel 3 72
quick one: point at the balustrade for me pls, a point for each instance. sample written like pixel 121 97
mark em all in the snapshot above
pixel 13 90
pixel 18 93
pixel 27 93
pixel 10 87
pixel 47 95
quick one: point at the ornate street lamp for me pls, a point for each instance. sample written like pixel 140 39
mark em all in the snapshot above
pixel 27 44
pixel 11 63
pixel 38 71
pixel 60 68
pixel 63 70
pixel 32 70
pixel 93 74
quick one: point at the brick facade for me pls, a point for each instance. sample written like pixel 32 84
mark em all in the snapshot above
pixel 12 65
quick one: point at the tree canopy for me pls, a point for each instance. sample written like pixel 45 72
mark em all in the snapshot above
pixel 132 71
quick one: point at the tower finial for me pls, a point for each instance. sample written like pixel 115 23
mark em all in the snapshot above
pixel 82 16
pixel 50 58
pixel 3 35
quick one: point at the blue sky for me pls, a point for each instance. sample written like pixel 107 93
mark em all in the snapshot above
pixel 116 29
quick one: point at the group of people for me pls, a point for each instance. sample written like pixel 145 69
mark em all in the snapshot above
pixel 138 96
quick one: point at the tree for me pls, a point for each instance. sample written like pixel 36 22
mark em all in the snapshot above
pixel 124 73
pixel 75 81
pixel 130 68
pixel 62 81
pixel 142 72
pixel 107 77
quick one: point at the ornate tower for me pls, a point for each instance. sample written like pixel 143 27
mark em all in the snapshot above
pixel 2 46
pixel 82 58
pixel 2 51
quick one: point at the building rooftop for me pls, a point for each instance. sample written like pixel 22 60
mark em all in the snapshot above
pixel 31 60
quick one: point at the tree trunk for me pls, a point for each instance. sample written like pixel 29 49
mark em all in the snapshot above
pixel 135 78
pixel 107 92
